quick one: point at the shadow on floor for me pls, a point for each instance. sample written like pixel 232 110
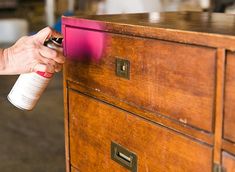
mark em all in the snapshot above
pixel 32 141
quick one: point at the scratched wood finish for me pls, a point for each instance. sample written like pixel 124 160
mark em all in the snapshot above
pixel 228 162
pixel 187 104
pixel 207 29
pixel 229 114
pixel 93 125
pixel 161 80
pixel 189 21
pixel 203 137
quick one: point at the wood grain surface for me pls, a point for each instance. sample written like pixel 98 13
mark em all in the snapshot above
pixel 229 113
pixel 172 79
pixel 176 110
pixel 207 29
pixel 219 101
pixel 203 137
pixel 93 125
pixel 228 162
pixel 228 146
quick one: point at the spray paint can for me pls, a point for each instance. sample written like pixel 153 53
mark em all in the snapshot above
pixel 30 86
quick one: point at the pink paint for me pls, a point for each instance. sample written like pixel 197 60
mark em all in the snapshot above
pixel 83 39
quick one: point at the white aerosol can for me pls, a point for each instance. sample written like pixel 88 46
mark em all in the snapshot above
pixel 29 87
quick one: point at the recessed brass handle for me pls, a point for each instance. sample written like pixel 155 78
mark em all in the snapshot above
pixel 123 68
pixel 124 157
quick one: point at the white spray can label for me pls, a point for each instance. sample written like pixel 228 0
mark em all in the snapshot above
pixel 30 86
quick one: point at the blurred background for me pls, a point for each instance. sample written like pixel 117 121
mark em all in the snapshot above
pixel 34 141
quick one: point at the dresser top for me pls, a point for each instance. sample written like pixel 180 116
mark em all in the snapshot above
pixel 210 29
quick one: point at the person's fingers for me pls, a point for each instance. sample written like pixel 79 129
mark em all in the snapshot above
pixel 39 67
pixel 50 68
pixel 60 49
pixel 48 61
pixel 44 68
pixel 47 52
pixel 43 34
pixel 58 67
pixel 46 33
pixel 59 58
pixel 51 54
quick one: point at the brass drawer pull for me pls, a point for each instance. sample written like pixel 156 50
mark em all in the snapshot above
pixel 123 68
pixel 124 157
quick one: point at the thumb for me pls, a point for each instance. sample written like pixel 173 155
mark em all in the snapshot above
pixel 43 34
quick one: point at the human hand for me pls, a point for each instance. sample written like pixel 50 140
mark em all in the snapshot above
pixel 29 54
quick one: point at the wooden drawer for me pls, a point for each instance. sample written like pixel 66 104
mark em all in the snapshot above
pixel 175 80
pixel 229 110
pixel 228 162
pixel 93 125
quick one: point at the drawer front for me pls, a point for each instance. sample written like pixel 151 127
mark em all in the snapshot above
pixel 93 125
pixel 229 110
pixel 228 162
pixel 172 79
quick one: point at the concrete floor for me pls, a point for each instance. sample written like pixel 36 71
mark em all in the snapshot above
pixel 32 141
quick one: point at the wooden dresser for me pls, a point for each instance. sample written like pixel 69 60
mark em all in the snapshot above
pixel 150 92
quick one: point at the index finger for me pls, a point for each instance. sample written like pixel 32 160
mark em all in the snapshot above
pixel 45 34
